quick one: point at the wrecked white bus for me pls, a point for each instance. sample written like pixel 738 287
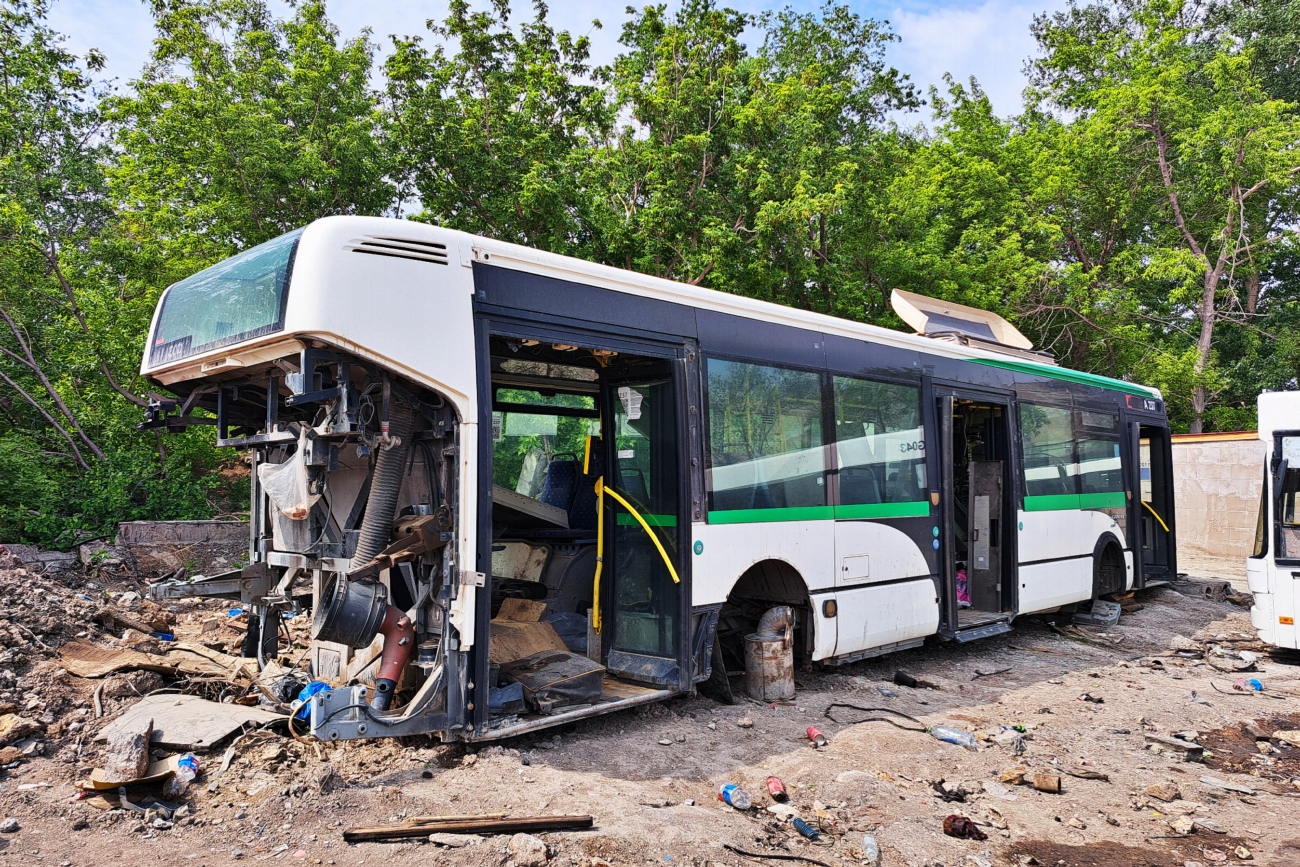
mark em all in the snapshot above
pixel 517 489
pixel 1273 569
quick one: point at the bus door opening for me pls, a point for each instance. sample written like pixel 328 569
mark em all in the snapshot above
pixel 979 593
pixel 1155 520
pixel 584 536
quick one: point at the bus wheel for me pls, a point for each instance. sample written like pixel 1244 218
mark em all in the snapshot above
pixel 1108 571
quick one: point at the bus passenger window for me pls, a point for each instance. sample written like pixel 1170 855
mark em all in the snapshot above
pixel 1047 433
pixel 765 437
pixel 880 442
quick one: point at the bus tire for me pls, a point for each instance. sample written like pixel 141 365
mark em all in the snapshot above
pixel 1109 573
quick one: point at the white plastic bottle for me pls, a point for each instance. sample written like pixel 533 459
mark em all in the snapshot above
pixel 870 851
pixel 187 769
pixel 735 796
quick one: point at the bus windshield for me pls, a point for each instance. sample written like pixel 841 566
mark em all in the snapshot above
pixel 237 299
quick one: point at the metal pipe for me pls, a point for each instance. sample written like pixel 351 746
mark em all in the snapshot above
pixel 775 622
pixel 399 638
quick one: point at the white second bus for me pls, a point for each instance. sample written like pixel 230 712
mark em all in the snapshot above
pixel 1273 571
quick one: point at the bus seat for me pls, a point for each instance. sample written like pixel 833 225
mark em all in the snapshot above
pixel 859 486
pixel 561 476
pixel 582 514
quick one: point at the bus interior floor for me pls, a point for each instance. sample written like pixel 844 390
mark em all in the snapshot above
pixel 649 775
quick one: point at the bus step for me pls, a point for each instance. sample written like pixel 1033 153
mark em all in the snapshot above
pixel 984 630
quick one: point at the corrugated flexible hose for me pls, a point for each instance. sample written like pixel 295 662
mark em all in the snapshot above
pixel 377 525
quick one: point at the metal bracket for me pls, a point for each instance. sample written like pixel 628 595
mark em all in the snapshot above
pixel 250 585
pixel 472 579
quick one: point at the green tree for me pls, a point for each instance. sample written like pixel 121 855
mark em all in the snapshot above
pixel 1217 146
pixel 493 137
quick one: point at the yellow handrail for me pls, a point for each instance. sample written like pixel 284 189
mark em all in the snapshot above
pixel 601 489
pixel 600 553
pixel 1157 514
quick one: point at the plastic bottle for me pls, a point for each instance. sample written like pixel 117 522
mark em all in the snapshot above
pixel 187 769
pixel 870 851
pixel 735 796
pixel 954 736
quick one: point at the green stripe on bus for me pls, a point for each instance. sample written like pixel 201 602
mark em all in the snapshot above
pixel 626 520
pixel 918 509
pixel 1055 502
pixel 755 516
pixel 1066 375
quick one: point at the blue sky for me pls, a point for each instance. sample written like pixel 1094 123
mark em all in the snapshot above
pixel 988 39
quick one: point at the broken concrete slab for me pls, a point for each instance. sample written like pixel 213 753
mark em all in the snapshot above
pixel 1175 748
pixel 187 722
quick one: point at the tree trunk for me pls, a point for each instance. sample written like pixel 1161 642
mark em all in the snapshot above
pixel 1203 345
pixel 1252 293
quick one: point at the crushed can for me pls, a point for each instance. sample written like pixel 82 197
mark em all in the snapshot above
pixel 816 738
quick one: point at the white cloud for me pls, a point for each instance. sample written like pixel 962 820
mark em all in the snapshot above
pixel 990 41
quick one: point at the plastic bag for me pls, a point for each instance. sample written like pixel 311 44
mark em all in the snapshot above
pixel 286 485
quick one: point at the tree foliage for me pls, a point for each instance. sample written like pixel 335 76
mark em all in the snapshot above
pixel 1137 218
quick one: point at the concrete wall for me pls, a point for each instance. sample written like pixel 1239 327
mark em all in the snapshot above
pixel 151 548
pixel 1217 484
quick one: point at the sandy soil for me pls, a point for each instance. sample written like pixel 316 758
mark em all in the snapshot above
pixel 289 801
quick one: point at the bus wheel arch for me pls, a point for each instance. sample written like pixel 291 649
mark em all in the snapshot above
pixel 764 585
pixel 1109 569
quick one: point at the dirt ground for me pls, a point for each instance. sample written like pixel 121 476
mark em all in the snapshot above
pixel 289 801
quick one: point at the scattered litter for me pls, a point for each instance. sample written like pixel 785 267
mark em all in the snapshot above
pixel 902 678
pixel 734 796
pixel 156 772
pixel 187 768
pixel 1086 774
pixel 816 739
pixel 1200 699
pixel 889 714
pixel 979 674
pixel 1094 699
pixel 805 830
pixel 870 851
pixel 1049 783
pixel 773 857
pixel 886 692
pixel 950 792
pixel 962 828
pixel 1012 741
pixel 997 790
pixel 776 789
pixel 950 735
pixel 784 812
pixel 745 723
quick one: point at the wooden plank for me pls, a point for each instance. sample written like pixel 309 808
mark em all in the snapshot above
pixel 187 722
pixel 468 826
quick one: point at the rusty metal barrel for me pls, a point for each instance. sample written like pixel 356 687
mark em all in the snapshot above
pixel 769 657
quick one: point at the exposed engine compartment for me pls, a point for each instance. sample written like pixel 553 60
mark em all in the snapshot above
pixel 353 514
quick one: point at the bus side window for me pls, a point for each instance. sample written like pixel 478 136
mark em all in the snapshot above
pixel 1047 434
pixel 1288 522
pixel 765 437
pixel 880 442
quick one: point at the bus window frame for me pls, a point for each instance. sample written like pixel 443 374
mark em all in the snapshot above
pixel 1275 465
pixel 824 386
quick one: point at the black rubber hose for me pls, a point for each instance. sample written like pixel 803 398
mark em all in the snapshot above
pixel 390 465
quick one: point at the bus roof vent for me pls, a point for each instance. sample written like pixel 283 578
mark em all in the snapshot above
pixel 400 248
pixel 957 323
